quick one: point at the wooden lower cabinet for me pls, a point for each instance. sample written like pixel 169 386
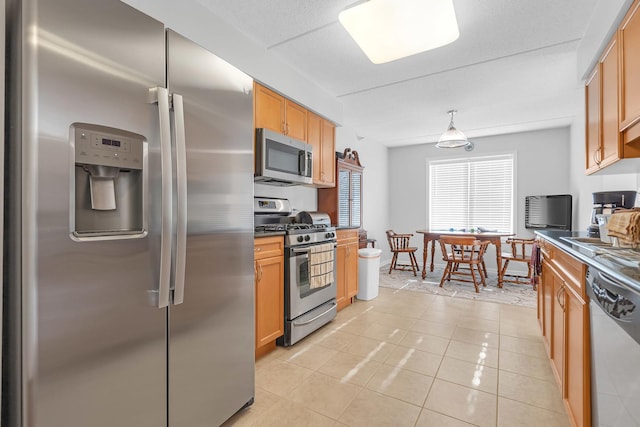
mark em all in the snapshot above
pixel 565 327
pixel 269 292
pixel 347 267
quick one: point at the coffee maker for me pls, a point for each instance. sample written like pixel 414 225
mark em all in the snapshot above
pixel 606 202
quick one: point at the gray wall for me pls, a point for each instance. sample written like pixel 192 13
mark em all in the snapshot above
pixel 541 168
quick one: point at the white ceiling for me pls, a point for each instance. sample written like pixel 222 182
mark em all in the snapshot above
pixel 512 69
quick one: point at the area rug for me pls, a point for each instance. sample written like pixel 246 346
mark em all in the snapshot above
pixel 511 293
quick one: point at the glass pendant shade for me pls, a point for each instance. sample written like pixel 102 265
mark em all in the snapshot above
pixel 452 138
pixel 387 30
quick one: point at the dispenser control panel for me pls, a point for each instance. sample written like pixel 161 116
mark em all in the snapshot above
pixel 98 148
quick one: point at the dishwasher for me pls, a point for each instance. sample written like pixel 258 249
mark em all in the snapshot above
pixel 615 351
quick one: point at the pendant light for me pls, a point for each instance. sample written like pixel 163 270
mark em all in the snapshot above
pixel 452 138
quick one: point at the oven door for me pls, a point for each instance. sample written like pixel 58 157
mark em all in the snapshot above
pixel 300 297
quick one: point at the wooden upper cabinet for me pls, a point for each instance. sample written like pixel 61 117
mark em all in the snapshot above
pixel 295 118
pixel 603 136
pixel 613 98
pixel 328 154
pixel 592 98
pixel 275 112
pixel 629 36
pixel 610 134
pixel 321 135
pixel 269 109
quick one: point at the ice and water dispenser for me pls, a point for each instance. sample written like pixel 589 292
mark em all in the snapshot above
pixel 110 183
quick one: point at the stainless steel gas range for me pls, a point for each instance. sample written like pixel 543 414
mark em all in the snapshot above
pixel 309 262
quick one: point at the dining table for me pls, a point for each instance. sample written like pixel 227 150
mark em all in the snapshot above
pixel 495 238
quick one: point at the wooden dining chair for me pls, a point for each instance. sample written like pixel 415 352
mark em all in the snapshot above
pixel 400 243
pixel 463 251
pixel 520 251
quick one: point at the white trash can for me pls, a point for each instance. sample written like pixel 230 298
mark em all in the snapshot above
pixel 368 273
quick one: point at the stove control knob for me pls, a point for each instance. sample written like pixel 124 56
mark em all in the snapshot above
pixel 307 238
pixel 299 239
pixel 329 235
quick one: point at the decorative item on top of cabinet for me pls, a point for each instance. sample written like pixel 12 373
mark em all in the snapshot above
pixel 268 254
pixel 347 267
pixel 565 328
pixel 343 203
pixel 279 114
pixel 321 135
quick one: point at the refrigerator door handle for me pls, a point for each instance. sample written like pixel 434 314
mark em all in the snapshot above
pixel 160 95
pixel 181 174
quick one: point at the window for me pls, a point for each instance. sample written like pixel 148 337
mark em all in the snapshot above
pixel 471 193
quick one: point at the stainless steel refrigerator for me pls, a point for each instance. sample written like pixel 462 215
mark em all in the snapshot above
pixel 128 261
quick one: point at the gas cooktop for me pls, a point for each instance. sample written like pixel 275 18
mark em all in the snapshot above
pixel 293 228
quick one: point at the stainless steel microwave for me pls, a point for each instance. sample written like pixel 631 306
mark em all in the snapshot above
pixel 282 160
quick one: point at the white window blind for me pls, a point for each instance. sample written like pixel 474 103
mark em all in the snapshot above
pixel 471 193
pixel 343 199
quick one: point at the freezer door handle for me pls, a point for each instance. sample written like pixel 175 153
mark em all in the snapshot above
pixel 181 220
pixel 160 95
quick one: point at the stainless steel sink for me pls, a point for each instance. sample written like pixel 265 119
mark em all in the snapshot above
pixel 590 245
pixel 587 240
pixel 595 247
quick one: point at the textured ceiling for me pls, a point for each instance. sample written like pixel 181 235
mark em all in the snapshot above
pixel 512 69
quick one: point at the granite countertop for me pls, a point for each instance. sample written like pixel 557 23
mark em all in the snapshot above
pixel 347 227
pixel 624 270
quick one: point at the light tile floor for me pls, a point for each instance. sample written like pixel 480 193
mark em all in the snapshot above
pixel 411 359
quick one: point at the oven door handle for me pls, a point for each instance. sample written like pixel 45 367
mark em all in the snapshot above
pixel 305 250
pixel 306 322
pixel 301 251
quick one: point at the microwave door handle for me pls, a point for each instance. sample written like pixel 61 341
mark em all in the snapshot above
pixel 302 163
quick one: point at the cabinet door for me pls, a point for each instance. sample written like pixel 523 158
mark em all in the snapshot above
pixel 296 121
pixel 577 366
pixel 630 40
pixel 610 133
pixel 327 155
pixel 341 276
pixel 546 289
pixel 269 300
pixel 269 109
pixel 592 94
pixel 557 325
pixel 314 137
pixel 352 270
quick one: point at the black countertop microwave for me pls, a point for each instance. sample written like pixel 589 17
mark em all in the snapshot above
pixel 282 160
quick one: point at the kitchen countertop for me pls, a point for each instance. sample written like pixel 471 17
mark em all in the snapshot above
pixel 259 234
pixel 347 227
pixel 627 272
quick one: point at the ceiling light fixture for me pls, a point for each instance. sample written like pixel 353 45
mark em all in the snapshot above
pixel 387 30
pixel 452 137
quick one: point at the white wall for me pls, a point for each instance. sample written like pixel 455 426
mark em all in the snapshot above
pixel 541 168
pixel 375 187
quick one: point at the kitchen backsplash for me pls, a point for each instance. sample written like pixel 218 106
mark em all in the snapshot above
pixel 301 198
